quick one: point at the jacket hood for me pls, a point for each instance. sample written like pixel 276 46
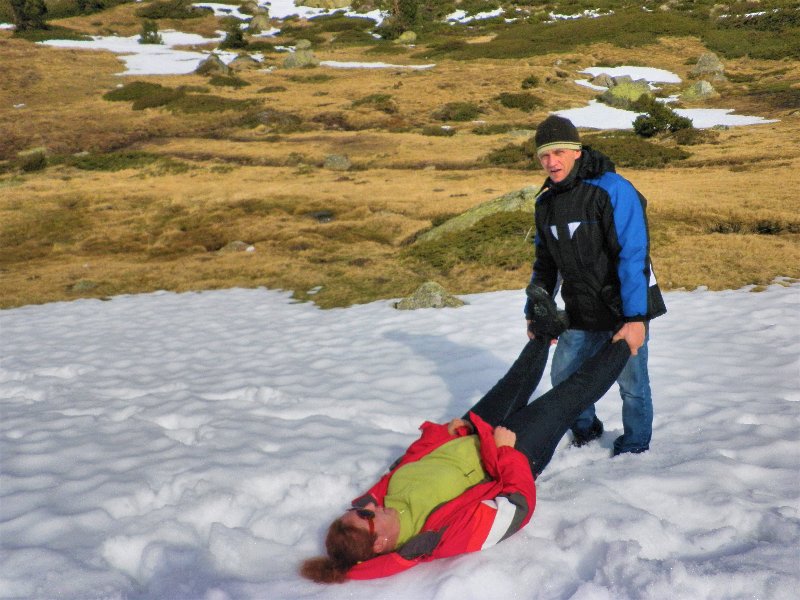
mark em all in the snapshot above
pixel 591 164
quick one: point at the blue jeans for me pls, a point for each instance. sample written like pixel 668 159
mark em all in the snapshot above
pixel 573 348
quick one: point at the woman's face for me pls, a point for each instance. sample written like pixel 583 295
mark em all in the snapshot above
pixel 385 521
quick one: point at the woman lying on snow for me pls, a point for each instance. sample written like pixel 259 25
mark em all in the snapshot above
pixel 468 484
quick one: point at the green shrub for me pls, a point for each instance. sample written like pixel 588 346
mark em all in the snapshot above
pixel 29 14
pixel 384 48
pixel 457 111
pixel 438 131
pixel 269 89
pixel 171 9
pixel 53 32
pixel 133 91
pixel 31 160
pixel 514 155
pixel 204 103
pixel 628 150
pixel 281 122
pixel 234 38
pixel 334 121
pixel 382 102
pixel 780 95
pixel 354 38
pixel 499 240
pixel 530 82
pixel 157 98
pixel 113 161
pixel 225 81
pixel 767 45
pixel 658 118
pixel 149 34
pixel 496 128
pixel 339 22
pixel 523 101
pixel 315 78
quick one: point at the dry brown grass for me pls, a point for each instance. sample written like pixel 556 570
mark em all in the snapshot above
pixel 71 233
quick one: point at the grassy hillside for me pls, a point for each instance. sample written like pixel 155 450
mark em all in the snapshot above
pixel 146 180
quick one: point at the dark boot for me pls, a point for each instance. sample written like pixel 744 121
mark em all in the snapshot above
pixel 581 438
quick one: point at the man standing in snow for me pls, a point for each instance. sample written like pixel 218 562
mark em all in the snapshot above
pixel 592 240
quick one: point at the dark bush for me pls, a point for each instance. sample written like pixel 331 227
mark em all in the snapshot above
pixel 514 155
pixel 234 38
pixel 161 97
pixel 171 9
pixel 271 89
pixel 495 128
pixel 203 103
pixel 225 81
pixel 438 131
pixel 382 102
pixel 522 101
pixel 500 240
pixel 334 121
pixel 280 121
pixel 658 117
pixel 339 22
pixel 457 111
pixel 530 82
pixel 133 91
pixel 628 150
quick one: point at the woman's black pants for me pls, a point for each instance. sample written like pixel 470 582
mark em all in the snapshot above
pixel 541 424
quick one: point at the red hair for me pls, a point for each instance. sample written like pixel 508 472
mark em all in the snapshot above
pixel 347 546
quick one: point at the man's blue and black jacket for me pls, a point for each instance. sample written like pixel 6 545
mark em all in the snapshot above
pixel 591 229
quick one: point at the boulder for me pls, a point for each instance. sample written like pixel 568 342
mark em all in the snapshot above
pixel 252 8
pixel 709 67
pixel 520 200
pixel 699 91
pixel 299 59
pixel 407 37
pixel 624 93
pixel 337 162
pixel 604 80
pixel 213 65
pixel 236 246
pixel 429 295
pixel 259 23
pixel 244 62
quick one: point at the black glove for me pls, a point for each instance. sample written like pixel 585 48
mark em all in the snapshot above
pixel 545 318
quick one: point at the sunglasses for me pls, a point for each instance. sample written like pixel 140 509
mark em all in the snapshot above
pixel 366 514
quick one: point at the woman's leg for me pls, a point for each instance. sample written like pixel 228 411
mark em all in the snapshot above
pixel 513 391
pixel 540 425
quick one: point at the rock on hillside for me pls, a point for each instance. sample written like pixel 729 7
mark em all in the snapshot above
pixel 519 200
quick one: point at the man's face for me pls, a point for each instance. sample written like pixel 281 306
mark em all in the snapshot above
pixel 558 162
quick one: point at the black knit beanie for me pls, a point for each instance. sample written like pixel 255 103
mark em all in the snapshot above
pixel 556 132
